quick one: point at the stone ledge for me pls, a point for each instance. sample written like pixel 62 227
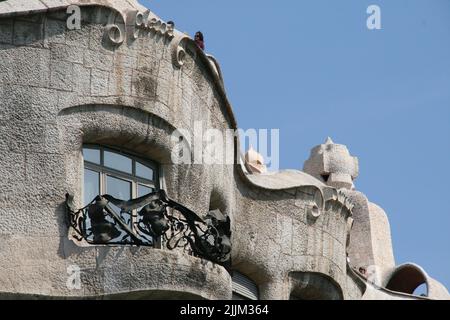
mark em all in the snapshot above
pixel 143 274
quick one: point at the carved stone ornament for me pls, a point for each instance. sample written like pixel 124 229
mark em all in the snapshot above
pixel 136 24
pixel 181 45
pixel 322 201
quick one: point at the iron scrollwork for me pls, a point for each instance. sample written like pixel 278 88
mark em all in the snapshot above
pixel 144 219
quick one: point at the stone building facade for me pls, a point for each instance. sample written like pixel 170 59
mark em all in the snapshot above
pixel 77 103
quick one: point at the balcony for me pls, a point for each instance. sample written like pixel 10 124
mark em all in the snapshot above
pixel 152 220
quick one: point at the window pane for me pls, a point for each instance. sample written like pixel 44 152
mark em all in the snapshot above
pixel 118 162
pixel 144 190
pixel 144 171
pixel 91 185
pixel 91 155
pixel 118 188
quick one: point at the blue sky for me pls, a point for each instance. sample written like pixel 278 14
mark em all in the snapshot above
pixel 313 69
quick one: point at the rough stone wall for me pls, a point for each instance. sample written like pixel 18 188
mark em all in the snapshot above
pixel 275 235
pixel 370 239
pixel 354 287
pixel 381 238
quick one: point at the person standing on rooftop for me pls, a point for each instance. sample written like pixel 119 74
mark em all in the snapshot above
pixel 199 40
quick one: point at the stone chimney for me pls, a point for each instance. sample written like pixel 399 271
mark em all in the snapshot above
pixel 332 164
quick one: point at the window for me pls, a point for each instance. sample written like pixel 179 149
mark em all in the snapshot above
pixel 123 176
pixel 243 287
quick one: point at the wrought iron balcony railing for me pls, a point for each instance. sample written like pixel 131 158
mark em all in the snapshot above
pixel 144 219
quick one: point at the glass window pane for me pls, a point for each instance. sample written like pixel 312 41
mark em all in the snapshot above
pixel 144 190
pixel 91 155
pixel 91 186
pixel 144 171
pixel 118 188
pixel 118 162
